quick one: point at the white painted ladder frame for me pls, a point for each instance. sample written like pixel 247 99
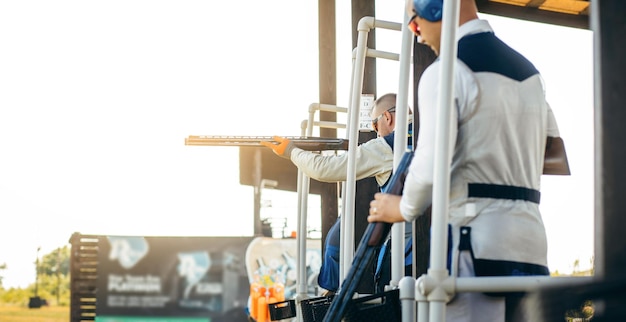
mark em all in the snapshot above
pixel 303 184
pixel 365 25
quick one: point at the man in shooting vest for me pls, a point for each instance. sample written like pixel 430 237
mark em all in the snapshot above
pixel 500 122
pixel 374 158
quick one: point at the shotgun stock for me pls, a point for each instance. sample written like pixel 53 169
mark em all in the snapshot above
pixel 555 160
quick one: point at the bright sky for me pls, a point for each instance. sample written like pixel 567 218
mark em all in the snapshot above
pixel 96 99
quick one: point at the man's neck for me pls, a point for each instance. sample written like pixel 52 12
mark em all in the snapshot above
pixel 468 11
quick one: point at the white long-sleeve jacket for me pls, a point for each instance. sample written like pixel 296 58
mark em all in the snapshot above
pixel 498 135
pixel 374 159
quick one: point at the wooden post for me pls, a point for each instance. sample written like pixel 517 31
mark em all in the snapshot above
pixel 327 95
pixel 607 22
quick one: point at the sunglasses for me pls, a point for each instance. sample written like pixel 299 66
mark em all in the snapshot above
pixel 375 121
pixel 413 25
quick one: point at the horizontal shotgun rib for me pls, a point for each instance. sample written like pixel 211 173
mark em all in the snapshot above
pixel 304 143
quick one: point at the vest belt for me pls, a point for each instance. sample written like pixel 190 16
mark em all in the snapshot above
pixel 496 191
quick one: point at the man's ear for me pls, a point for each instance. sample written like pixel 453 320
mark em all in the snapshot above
pixel 389 118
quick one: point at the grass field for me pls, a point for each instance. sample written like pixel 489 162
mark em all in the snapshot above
pixel 44 314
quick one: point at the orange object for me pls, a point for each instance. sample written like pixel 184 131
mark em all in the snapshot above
pixel 283 148
pixel 263 311
pixel 278 292
pixel 256 291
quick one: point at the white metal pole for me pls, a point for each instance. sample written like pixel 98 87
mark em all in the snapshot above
pixel 353 131
pixel 407 298
pixel 423 305
pixel 301 232
pixel 400 143
pixel 304 184
pixel 443 157
pixel 344 264
pixel 515 283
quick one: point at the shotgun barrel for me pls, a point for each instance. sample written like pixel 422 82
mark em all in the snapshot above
pixel 304 143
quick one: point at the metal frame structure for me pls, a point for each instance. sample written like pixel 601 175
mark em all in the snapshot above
pixel 432 290
pixel 303 183
pixel 366 24
pixel 430 286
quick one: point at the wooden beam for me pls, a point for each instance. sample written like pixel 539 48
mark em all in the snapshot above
pixel 534 14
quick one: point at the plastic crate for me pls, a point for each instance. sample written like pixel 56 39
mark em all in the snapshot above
pixel 282 310
pixel 380 307
pixel 314 309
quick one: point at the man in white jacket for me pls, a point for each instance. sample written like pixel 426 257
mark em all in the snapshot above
pixel 500 122
pixel 374 158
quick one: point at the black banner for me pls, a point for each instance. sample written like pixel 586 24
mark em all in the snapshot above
pixel 173 279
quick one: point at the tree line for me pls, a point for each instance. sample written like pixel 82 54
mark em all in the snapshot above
pixel 52 281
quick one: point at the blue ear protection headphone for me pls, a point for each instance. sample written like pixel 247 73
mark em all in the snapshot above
pixel 431 10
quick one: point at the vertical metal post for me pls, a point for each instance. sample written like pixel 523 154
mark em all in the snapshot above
pixel 443 157
pixel 347 234
pixel 400 139
pixel 366 187
pixel 258 166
